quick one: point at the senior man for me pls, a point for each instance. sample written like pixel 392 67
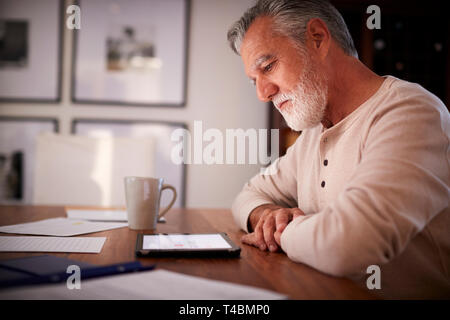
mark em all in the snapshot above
pixel 367 181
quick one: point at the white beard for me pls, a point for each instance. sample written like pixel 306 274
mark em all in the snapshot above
pixel 308 101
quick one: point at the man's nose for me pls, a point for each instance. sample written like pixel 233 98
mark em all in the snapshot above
pixel 265 90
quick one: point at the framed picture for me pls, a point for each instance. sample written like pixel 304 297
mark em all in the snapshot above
pixel 17 154
pixel 30 50
pixel 164 167
pixel 131 52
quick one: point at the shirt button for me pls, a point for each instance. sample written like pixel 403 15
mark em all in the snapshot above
pixel 322 184
pixel 325 162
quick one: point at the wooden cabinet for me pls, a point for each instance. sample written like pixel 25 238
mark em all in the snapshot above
pixel 412 44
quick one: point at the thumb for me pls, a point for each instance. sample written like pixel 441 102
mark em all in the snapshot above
pixel 248 238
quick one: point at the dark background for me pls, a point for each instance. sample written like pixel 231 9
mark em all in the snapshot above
pixel 412 44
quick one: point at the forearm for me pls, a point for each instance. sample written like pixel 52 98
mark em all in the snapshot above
pixel 279 188
pixel 366 224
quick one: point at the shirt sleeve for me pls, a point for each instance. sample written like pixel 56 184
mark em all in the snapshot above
pixel 401 183
pixel 277 185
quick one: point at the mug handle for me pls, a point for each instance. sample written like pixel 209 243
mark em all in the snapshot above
pixel 164 211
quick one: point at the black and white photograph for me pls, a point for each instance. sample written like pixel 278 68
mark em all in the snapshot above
pixel 13 44
pixel 30 51
pixel 11 175
pixel 17 156
pixel 135 55
pixel 131 49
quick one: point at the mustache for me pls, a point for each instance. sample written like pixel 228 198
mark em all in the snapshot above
pixel 280 98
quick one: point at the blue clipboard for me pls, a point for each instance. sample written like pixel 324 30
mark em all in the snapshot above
pixel 52 269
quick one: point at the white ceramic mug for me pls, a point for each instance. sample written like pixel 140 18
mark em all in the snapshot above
pixel 143 197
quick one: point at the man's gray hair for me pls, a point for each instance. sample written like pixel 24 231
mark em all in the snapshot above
pixel 290 18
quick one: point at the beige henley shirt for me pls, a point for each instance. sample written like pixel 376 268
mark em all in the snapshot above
pixel 375 191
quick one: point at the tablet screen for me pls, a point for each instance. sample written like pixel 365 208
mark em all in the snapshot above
pixel 184 241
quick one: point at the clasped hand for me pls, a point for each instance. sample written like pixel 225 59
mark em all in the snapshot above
pixel 271 223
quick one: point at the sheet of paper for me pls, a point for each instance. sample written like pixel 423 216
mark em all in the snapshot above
pixel 100 215
pixel 158 285
pixel 61 227
pixel 52 244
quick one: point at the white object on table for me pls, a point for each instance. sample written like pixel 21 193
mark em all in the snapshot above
pixel 97 215
pixel 52 244
pixel 100 215
pixel 158 285
pixel 61 227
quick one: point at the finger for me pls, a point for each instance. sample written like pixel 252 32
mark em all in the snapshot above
pixel 249 239
pixel 277 236
pixel 259 235
pixel 268 231
pixel 281 221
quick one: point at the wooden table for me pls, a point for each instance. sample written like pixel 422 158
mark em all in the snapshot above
pixel 272 271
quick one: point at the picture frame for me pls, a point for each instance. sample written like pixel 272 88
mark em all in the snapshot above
pixel 31 40
pixel 131 52
pixel 174 174
pixel 17 154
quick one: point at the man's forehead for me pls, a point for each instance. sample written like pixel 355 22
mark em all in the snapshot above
pixel 263 42
pixel 259 44
pixel 259 33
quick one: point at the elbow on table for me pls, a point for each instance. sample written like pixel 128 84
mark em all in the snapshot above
pixel 341 265
pixel 338 261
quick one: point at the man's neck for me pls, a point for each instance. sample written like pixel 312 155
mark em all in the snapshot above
pixel 351 85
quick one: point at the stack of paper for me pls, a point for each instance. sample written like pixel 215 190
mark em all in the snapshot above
pixel 57 227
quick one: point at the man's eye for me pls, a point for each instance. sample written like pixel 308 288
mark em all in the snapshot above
pixel 268 67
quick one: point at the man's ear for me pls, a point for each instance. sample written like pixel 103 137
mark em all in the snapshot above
pixel 318 37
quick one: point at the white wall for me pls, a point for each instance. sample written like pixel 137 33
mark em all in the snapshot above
pixel 218 93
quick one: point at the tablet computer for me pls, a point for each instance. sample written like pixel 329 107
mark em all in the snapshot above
pixel 185 244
